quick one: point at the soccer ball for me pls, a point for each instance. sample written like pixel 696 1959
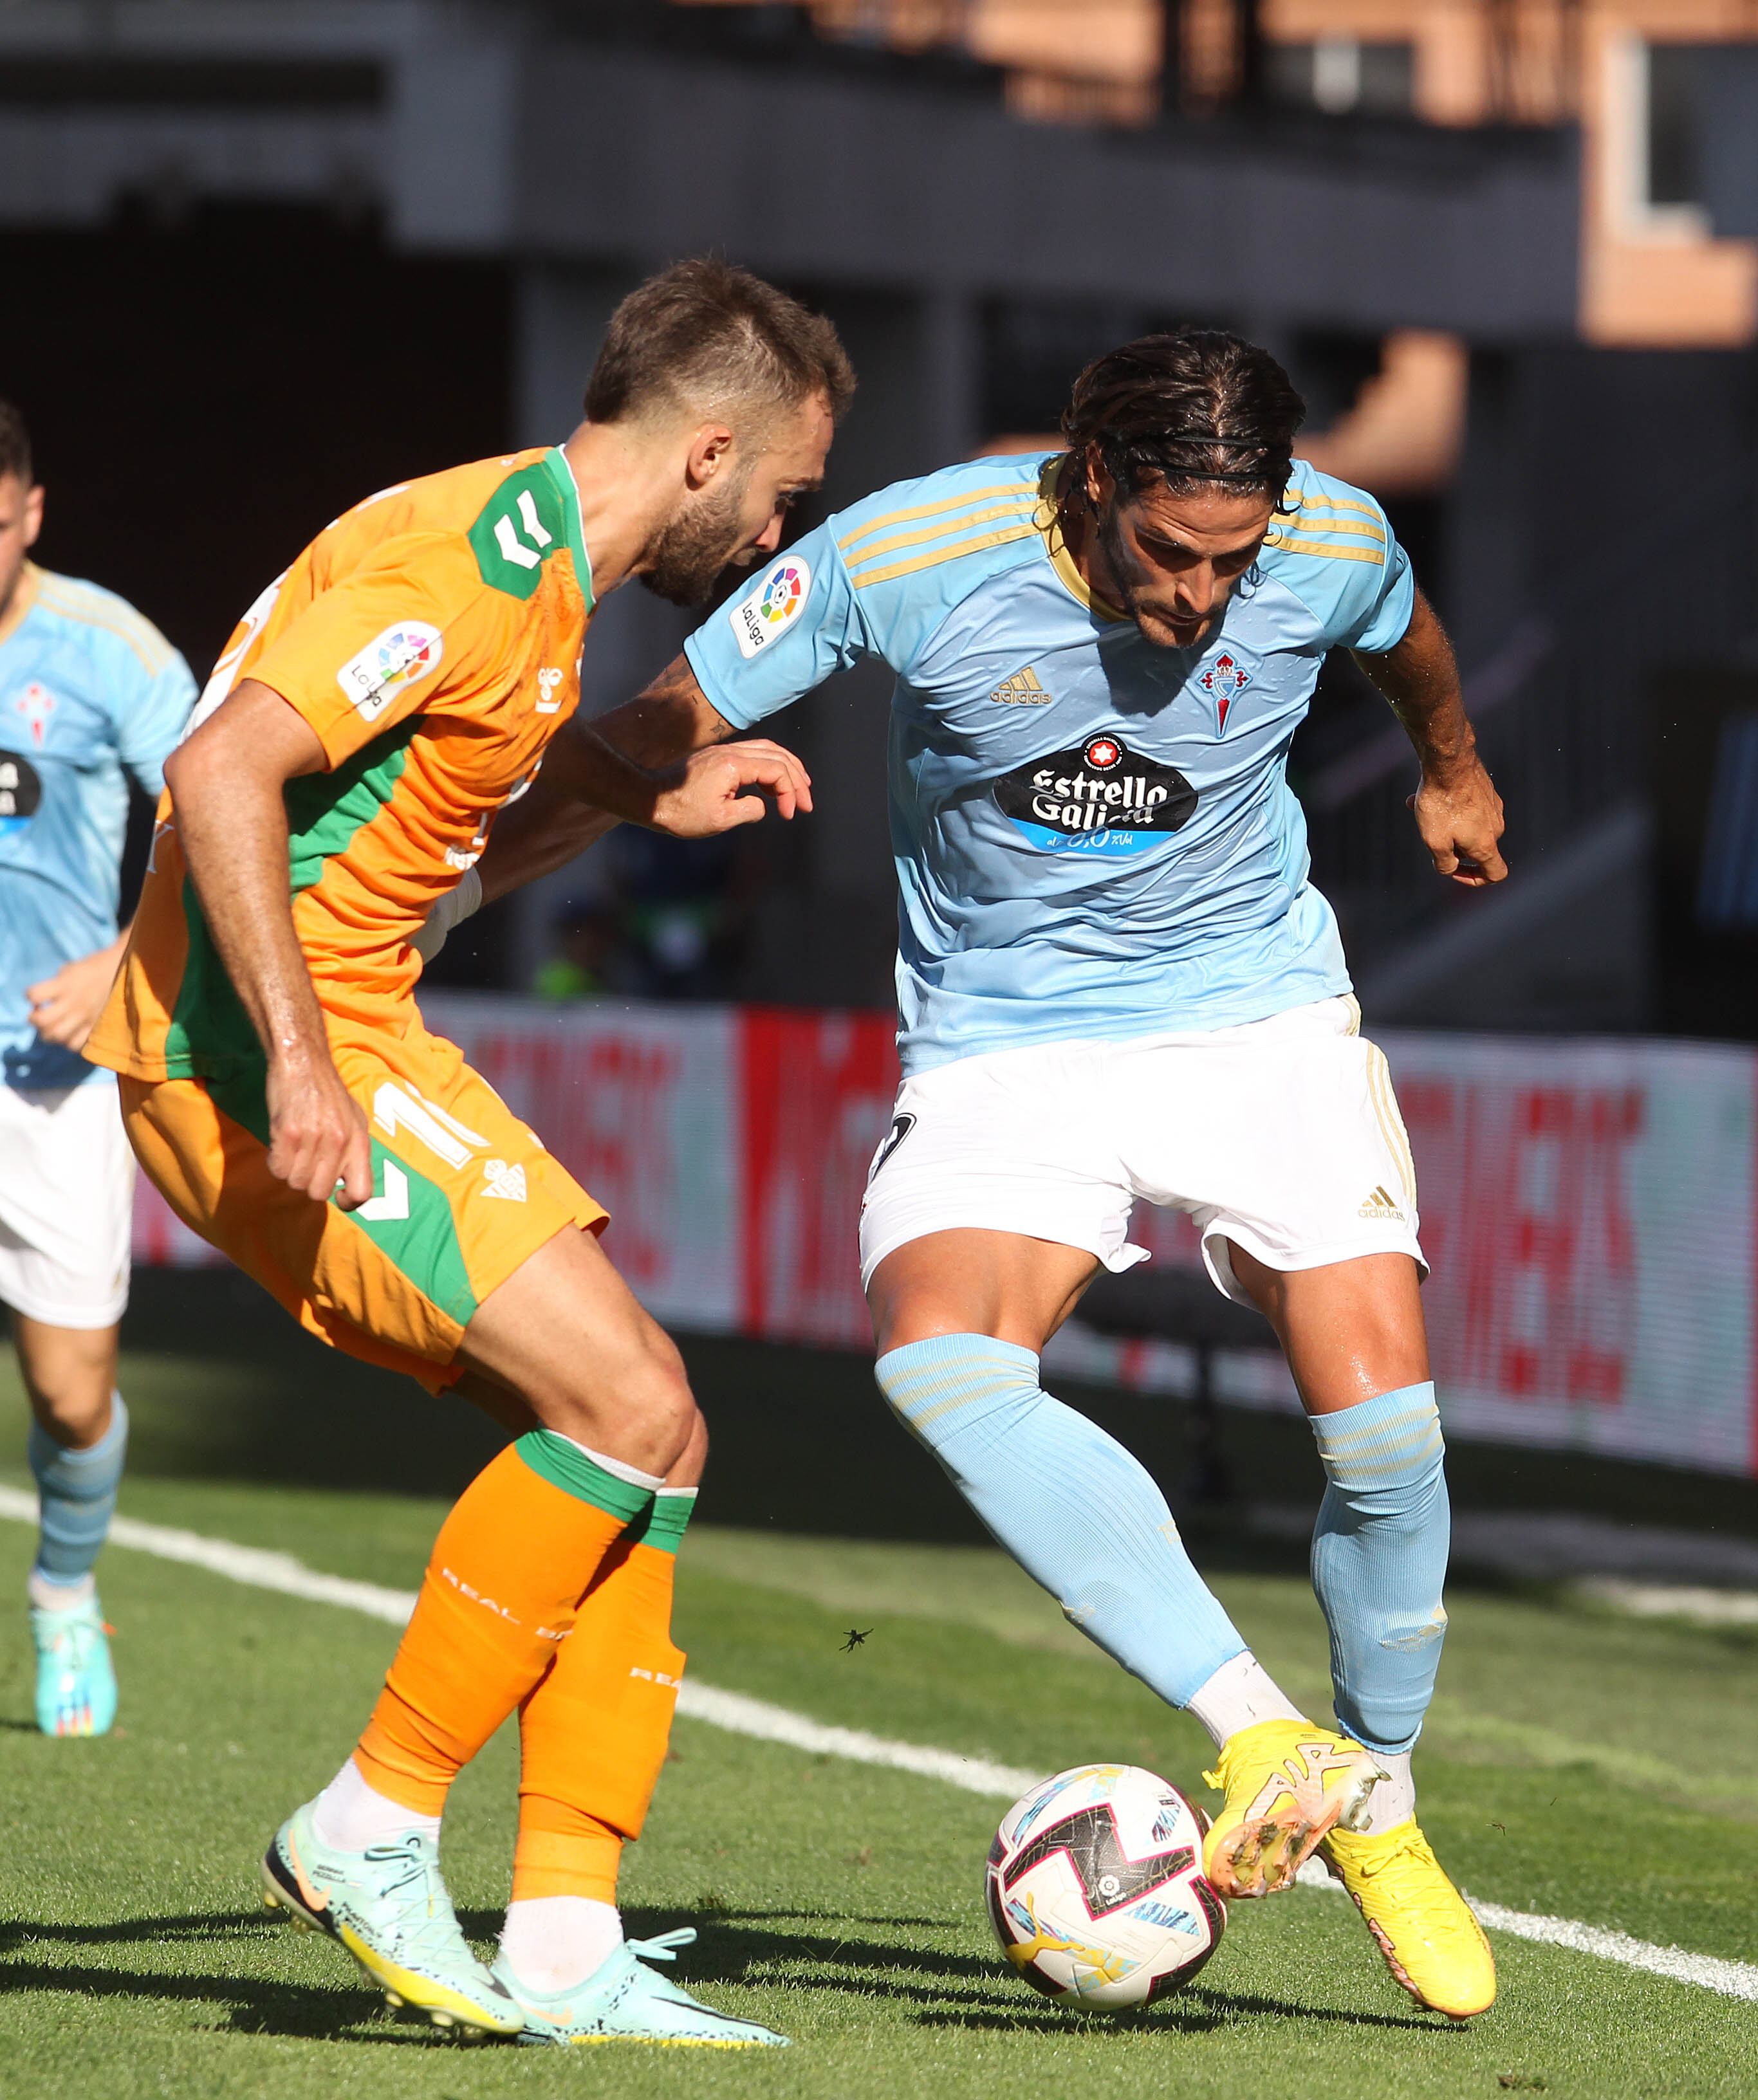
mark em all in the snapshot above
pixel 1096 1888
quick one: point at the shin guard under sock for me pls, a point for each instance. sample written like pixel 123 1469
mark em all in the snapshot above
pixel 1379 1560
pixel 594 1733
pixel 1078 1513
pixel 77 1495
pixel 509 1567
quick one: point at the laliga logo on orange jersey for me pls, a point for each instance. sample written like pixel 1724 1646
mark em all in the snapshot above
pixel 400 656
pixel 771 605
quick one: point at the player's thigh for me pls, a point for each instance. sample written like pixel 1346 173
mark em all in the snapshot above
pixel 993 1199
pixel 566 1335
pixel 1007 1285
pixel 67 1182
pixel 1286 1142
pixel 1350 1329
pixel 69 1376
pixel 463 1195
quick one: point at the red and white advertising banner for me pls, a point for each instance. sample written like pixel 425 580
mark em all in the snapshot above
pixel 1587 1207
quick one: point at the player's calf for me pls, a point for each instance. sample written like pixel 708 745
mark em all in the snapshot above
pixel 77 1488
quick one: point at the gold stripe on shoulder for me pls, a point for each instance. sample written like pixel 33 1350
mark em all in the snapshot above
pixel 934 556
pixel 1275 543
pixel 931 510
pixel 923 534
pixel 1312 522
pixel 1319 500
pixel 133 627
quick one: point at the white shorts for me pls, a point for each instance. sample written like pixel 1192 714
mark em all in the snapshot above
pixel 67 1199
pixel 1283 1136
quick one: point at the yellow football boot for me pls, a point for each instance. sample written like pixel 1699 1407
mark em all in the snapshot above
pixel 1286 1782
pixel 1432 1943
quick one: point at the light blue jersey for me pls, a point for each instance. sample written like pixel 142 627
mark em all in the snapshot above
pixel 1094 838
pixel 87 687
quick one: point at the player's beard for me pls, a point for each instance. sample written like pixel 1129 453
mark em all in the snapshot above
pixel 695 545
pixel 1123 568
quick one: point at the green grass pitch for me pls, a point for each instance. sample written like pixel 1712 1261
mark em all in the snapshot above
pixel 1576 1764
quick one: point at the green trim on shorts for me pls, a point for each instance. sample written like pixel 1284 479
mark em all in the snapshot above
pixel 664 1528
pixel 416 1232
pixel 565 1465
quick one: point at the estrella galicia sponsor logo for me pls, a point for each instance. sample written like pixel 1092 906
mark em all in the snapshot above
pixel 396 659
pixel 20 791
pixel 772 604
pixel 1099 798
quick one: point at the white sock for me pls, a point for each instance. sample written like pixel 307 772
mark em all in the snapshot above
pixel 1240 1695
pixel 1394 1800
pixel 553 1943
pixel 49 1595
pixel 352 1815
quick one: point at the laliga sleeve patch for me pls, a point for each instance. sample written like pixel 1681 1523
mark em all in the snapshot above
pixel 396 659
pixel 772 604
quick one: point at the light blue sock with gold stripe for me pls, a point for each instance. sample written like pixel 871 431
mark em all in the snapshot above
pixel 1379 1560
pixel 1077 1512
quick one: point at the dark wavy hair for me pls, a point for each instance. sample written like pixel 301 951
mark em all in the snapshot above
pixel 1195 407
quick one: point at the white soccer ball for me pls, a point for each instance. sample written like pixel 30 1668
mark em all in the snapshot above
pixel 1096 1888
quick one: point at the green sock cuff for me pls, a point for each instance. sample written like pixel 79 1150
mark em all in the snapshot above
pixel 663 1525
pixel 565 1465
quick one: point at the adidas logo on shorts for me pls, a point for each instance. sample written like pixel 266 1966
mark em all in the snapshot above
pixel 1380 1206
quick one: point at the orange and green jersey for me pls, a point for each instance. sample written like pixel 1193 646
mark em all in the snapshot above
pixel 431 638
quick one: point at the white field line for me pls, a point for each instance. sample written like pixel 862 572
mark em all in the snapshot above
pixel 1672 1600
pixel 1709 1972
pixel 260 1569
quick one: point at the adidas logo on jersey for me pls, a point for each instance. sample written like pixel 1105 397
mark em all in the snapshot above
pixel 1380 1206
pixel 1021 690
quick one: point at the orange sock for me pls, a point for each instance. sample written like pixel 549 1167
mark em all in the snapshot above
pixel 593 1734
pixel 509 1568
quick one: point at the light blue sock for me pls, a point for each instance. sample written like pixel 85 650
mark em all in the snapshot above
pixel 1071 1505
pixel 1379 1560
pixel 78 1495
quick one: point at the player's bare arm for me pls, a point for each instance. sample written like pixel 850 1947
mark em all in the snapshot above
pixel 664 759
pixel 1458 810
pixel 226 783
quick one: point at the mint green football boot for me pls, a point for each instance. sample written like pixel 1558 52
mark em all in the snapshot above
pixel 625 2000
pixel 388 1907
pixel 75 1681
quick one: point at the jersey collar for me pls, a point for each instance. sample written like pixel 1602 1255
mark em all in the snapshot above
pixel 22 599
pixel 555 459
pixel 1045 517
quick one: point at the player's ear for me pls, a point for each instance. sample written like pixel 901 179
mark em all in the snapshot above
pixel 32 513
pixel 710 448
pixel 1099 482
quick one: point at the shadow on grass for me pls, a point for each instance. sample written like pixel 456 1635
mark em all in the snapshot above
pixel 932 1988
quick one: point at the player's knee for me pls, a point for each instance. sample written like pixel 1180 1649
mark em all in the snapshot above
pixel 657 1403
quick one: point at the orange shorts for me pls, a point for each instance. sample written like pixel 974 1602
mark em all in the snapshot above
pixel 462 1194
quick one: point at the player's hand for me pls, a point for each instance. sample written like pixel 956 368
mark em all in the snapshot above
pixel 711 792
pixel 64 1008
pixel 317 1135
pixel 1461 823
